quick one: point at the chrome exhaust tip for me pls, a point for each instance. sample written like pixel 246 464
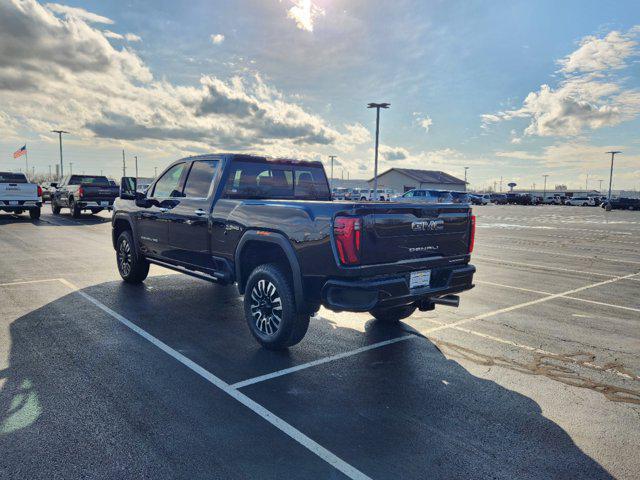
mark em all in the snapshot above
pixel 448 300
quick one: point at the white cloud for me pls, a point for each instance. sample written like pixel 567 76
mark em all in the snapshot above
pixel 426 123
pixel 110 95
pixel 129 37
pixel 574 154
pixel 217 38
pixel 596 54
pixel 588 97
pixel 305 13
pixel 132 37
pixel 79 13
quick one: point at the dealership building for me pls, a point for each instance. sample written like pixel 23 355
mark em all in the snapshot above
pixel 404 179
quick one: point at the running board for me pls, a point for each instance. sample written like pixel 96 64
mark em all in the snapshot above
pixel 216 277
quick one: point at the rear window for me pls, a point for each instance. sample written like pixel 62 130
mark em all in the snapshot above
pixel 7 177
pixel 276 180
pixel 89 180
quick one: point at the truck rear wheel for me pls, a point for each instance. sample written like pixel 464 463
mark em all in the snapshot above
pixel 75 209
pixel 132 267
pixel 393 314
pixel 270 309
pixel 34 213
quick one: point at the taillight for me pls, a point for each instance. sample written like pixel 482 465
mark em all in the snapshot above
pixel 347 231
pixel 80 192
pixel 472 235
pixel 39 191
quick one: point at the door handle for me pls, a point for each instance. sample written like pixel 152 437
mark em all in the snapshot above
pixel 200 212
pixel 163 209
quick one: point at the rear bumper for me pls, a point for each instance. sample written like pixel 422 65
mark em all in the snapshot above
pixel 21 206
pixel 95 203
pixel 389 291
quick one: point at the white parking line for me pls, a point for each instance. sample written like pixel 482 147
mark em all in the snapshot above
pixel 286 371
pixel 426 332
pixel 528 304
pixel 26 282
pixel 314 447
pixel 540 292
pixel 545 352
pixel 605 259
pixel 544 267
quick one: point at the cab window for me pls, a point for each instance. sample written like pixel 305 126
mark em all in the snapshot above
pixel 200 177
pixel 168 184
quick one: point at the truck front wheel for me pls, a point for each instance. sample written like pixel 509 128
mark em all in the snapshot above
pixel 132 267
pixel 270 308
pixel 393 314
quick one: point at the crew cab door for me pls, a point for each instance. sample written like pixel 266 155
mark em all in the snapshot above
pixel 152 219
pixel 189 230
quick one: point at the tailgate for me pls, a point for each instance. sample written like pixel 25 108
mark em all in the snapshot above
pixel 18 191
pixel 93 192
pixel 407 232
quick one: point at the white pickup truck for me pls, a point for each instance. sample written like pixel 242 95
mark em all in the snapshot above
pixel 17 195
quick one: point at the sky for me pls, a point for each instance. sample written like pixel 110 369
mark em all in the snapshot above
pixel 511 89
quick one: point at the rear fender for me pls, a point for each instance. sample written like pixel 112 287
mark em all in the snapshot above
pixel 282 242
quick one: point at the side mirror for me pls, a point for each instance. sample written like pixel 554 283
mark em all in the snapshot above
pixel 128 186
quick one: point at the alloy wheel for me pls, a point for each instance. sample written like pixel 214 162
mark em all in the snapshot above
pixel 125 257
pixel 266 307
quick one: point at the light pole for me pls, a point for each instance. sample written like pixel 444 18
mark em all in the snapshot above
pixel 377 106
pixel 544 191
pixel 332 157
pixel 60 132
pixel 600 187
pixel 155 172
pixel 465 177
pixel 70 168
pixel 586 183
pixel 136 157
pixel 613 154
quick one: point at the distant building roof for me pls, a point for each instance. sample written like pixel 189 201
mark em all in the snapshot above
pixel 426 176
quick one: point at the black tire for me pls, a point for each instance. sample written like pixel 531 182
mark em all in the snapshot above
pixel 55 209
pixel 34 213
pixel 75 209
pixel 133 267
pixel 269 292
pixel 96 210
pixel 393 314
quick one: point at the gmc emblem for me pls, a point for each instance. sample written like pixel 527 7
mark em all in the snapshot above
pixel 427 226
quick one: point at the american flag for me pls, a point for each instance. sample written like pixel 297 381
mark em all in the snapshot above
pixel 21 151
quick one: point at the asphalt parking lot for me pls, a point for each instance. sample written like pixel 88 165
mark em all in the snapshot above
pixel 536 375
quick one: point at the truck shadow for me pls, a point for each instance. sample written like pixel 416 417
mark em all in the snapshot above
pixel 82 396
pixel 47 220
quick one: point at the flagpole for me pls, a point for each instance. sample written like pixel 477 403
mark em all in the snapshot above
pixel 26 157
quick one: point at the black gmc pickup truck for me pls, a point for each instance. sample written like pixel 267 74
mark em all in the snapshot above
pixel 271 227
pixel 83 192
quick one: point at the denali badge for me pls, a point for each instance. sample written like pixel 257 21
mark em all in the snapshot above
pixel 429 225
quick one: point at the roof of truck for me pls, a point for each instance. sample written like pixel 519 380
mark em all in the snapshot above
pixel 252 158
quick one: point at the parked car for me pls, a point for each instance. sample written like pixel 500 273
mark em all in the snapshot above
pixel 47 189
pixel 271 227
pixel 498 198
pixel 623 203
pixel 551 200
pixel 420 195
pixel 519 199
pixel 83 192
pixel 384 194
pixel 580 201
pixel 18 195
